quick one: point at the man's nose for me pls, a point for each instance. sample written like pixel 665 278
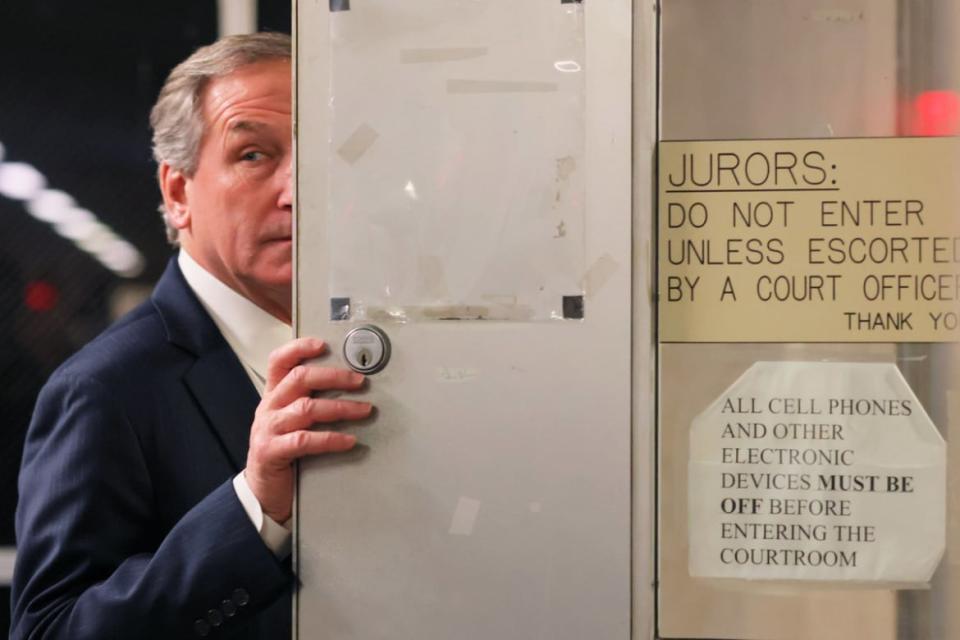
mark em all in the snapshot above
pixel 285 200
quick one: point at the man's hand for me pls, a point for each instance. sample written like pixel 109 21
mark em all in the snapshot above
pixel 281 427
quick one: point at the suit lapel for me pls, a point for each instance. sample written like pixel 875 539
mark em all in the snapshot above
pixel 217 381
pixel 227 398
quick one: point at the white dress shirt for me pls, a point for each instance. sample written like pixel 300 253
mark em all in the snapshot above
pixel 252 333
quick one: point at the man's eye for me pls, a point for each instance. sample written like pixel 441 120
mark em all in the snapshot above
pixel 252 156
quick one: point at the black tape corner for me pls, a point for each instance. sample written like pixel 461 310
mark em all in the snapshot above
pixel 573 307
pixel 339 5
pixel 339 309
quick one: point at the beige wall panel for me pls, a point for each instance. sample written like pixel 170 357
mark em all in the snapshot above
pixel 754 69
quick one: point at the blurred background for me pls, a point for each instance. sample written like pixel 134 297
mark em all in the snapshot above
pixel 82 241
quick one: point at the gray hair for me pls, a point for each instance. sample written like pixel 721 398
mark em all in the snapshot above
pixel 177 119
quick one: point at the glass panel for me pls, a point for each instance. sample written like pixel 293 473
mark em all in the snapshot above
pixel 775 69
pixel 471 206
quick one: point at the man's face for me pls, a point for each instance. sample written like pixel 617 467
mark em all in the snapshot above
pixel 239 202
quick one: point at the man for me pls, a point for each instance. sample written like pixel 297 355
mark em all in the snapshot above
pixel 157 486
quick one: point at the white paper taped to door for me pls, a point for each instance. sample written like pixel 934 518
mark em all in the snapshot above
pixel 817 471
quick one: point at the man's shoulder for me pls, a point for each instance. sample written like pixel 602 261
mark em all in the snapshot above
pixel 135 345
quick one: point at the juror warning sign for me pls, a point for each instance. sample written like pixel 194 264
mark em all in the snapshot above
pixel 810 240
pixel 817 471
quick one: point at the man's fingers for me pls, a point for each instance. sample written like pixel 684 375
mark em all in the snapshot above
pixel 285 358
pixel 308 411
pixel 303 379
pixel 298 444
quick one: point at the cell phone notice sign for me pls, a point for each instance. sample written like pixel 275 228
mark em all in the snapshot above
pixel 817 471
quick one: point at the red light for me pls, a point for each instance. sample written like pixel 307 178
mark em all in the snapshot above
pixel 40 295
pixel 936 113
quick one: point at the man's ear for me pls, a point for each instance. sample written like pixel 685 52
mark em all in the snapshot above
pixel 173 186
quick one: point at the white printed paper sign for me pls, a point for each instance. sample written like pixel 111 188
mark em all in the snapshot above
pixel 817 471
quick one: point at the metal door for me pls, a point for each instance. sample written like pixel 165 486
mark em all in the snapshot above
pixel 491 495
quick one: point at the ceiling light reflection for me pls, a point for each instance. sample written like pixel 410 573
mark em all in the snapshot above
pixel 78 224
pixel 123 258
pixel 566 66
pixel 50 205
pixel 97 239
pixel 21 181
pixel 411 190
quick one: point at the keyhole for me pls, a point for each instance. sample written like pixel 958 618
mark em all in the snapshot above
pixel 366 350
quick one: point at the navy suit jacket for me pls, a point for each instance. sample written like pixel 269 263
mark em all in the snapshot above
pixel 128 525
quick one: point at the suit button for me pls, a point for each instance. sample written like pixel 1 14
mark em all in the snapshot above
pixel 229 609
pixel 214 617
pixel 201 628
pixel 240 597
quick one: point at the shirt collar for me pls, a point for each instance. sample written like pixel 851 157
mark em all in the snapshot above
pixel 250 331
